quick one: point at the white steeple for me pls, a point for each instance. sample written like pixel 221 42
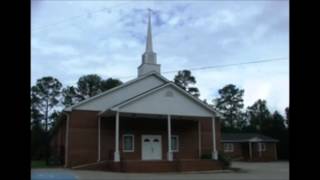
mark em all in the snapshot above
pixel 149 58
pixel 149 35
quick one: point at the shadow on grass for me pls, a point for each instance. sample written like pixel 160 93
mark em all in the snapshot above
pixel 42 164
pixel 38 164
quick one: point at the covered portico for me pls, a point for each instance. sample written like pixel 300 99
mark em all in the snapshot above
pixel 160 128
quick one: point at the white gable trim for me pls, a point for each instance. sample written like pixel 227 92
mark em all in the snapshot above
pixel 116 88
pixel 117 107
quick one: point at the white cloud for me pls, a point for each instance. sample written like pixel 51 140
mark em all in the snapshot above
pixel 110 42
pixel 255 90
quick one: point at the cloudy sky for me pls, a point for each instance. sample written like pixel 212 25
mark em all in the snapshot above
pixel 74 38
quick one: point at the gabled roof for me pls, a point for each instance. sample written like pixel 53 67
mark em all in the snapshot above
pixel 116 88
pixel 158 88
pixel 245 137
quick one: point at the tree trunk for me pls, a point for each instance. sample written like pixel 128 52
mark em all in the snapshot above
pixel 46 117
pixel 47 134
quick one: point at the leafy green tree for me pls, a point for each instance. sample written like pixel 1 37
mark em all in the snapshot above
pixel 230 104
pixel 46 93
pixel 258 115
pixel 89 85
pixel 184 79
pixel 109 84
pixel 36 115
pixel 278 120
pixel 273 125
pixel 92 84
pixel 275 128
pixel 54 118
pixel 71 96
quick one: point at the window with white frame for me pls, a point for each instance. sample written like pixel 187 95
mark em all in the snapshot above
pixel 262 147
pixel 175 143
pixel 128 143
pixel 228 147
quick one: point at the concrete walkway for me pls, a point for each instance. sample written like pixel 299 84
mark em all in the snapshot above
pixel 249 171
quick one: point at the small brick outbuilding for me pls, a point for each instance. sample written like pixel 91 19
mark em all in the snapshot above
pixel 249 146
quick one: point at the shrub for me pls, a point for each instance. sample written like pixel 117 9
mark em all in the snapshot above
pixel 54 160
pixel 224 159
pixel 206 156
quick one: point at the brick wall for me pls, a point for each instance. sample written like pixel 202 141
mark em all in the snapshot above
pixel 268 155
pixel 83 137
pixel 238 152
pixel 241 152
pixel 58 141
pixel 206 136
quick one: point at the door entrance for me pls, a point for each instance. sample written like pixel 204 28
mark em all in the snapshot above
pixel 151 147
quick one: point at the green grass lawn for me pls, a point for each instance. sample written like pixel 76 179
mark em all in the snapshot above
pixel 38 164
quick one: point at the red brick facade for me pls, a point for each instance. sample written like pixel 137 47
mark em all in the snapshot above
pixel 206 136
pixel 83 137
pixel 238 151
pixel 268 155
pixel 58 141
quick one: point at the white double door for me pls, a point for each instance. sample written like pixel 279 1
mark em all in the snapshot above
pixel 151 147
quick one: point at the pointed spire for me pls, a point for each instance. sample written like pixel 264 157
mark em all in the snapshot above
pixel 149 58
pixel 149 35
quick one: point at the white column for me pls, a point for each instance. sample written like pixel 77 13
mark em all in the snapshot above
pixel 199 138
pixel 260 148
pixel 99 138
pixel 66 151
pixel 250 150
pixel 214 152
pixel 169 155
pixel 116 153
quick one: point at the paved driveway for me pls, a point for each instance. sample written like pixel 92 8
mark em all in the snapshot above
pixel 53 174
pixel 249 171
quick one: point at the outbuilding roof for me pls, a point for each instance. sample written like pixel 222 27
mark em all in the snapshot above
pixel 246 137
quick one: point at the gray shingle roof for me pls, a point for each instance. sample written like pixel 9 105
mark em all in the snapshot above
pixel 245 137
